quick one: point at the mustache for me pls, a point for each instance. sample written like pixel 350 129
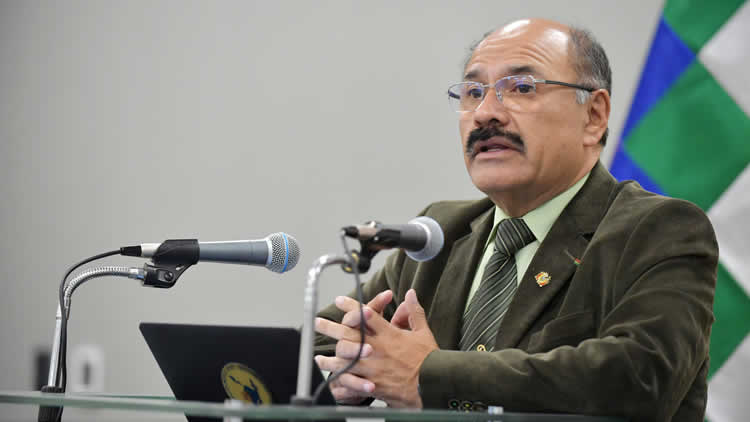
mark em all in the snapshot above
pixel 485 133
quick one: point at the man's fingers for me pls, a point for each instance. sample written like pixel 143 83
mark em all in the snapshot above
pixel 417 318
pixel 354 318
pixel 410 315
pixel 336 330
pixel 359 385
pixel 400 318
pixel 351 322
pixel 347 387
pixel 345 303
pixel 350 350
pixel 345 396
pixel 379 302
pixel 330 363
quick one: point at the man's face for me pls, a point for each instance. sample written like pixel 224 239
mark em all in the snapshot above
pixel 535 152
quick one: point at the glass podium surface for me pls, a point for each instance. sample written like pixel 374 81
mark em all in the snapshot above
pixel 139 407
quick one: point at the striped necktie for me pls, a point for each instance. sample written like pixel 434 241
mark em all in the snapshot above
pixel 499 284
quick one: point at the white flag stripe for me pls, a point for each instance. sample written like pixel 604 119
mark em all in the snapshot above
pixel 727 56
pixel 727 391
pixel 729 216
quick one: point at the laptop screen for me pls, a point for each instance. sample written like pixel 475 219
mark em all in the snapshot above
pixel 214 363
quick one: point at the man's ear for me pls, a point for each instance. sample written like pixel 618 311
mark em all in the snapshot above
pixel 598 117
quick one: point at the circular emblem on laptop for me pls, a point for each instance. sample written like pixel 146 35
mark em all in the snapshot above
pixel 242 383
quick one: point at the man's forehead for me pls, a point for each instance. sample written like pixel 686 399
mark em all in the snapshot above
pixel 521 45
pixel 527 29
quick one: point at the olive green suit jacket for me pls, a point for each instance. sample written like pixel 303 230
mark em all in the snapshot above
pixel 621 329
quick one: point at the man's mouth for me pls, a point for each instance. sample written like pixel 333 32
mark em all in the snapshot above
pixel 495 144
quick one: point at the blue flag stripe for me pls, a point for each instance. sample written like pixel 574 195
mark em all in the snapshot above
pixel 624 168
pixel 668 58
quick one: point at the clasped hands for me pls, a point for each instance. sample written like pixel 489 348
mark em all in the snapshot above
pixel 393 352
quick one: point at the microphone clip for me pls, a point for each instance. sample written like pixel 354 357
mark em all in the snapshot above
pixel 363 261
pixel 171 259
pixel 372 238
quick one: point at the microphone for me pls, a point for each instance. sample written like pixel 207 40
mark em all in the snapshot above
pixel 279 252
pixel 421 238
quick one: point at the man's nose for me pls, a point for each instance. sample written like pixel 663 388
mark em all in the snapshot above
pixel 491 108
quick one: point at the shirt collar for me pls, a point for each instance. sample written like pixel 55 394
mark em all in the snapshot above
pixel 541 218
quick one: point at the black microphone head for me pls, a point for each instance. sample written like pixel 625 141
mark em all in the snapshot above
pixel 434 242
pixel 284 252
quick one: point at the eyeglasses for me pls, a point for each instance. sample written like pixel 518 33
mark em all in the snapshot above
pixel 514 92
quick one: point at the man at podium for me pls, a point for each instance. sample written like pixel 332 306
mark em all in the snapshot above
pixel 563 290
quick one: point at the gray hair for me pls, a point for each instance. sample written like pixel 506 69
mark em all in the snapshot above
pixel 589 62
pixel 592 66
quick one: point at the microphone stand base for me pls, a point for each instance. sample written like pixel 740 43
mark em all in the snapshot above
pixel 49 413
pixel 301 401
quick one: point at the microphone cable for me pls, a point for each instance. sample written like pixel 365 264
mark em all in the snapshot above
pixel 360 299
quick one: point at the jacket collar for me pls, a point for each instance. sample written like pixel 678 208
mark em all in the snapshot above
pixel 567 241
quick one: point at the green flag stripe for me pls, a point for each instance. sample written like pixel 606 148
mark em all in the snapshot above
pixel 732 311
pixel 694 142
pixel 696 21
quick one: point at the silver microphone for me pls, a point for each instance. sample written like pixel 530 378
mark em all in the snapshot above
pixel 421 238
pixel 279 252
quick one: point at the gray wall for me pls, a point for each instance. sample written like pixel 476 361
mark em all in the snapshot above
pixel 130 122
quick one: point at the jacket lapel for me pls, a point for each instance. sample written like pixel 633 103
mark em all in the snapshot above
pixel 453 288
pixel 566 241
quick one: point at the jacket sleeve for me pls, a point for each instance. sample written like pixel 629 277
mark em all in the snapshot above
pixel 649 346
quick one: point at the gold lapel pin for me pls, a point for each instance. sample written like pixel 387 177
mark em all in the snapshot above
pixel 543 278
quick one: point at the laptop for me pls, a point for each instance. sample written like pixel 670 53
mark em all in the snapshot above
pixel 214 363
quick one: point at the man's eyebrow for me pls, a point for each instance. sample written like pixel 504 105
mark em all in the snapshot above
pixel 472 75
pixel 523 69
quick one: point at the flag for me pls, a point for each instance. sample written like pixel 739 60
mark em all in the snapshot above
pixel 687 135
